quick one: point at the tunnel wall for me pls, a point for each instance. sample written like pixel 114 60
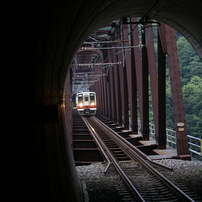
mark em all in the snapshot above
pixel 37 161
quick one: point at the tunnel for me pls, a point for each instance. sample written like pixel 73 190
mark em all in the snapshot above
pixel 38 42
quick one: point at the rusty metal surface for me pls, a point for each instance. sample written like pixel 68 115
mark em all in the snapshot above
pixel 161 136
pixel 176 89
pixel 112 89
pixel 145 90
pixel 138 66
pixel 153 74
pixel 123 88
pixel 131 81
pixel 117 90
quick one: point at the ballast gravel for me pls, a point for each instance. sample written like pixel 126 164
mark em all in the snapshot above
pixel 98 187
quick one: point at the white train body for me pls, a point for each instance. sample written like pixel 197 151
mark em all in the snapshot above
pixel 86 103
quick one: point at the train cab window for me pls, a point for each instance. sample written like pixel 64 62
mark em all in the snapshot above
pixel 92 97
pixel 80 98
pixel 86 98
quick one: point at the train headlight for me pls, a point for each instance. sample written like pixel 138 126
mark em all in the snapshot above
pixel 92 103
pixel 80 104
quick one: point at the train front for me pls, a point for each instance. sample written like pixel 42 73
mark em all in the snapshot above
pixel 86 103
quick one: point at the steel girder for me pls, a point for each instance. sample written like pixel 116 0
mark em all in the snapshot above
pixel 126 87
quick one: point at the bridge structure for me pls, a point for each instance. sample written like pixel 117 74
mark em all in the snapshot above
pixel 39 41
pixel 121 64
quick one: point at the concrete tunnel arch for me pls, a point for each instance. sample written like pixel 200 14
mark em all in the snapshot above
pixel 39 43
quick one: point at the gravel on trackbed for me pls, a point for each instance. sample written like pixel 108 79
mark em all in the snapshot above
pixel 97 186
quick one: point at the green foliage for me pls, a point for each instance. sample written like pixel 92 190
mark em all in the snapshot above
pixel 193 106
pixel 191 77
pixel 169 107
pixel 190 64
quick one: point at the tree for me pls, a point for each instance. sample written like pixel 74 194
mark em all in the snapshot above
pixel 190 64
pixel 192 93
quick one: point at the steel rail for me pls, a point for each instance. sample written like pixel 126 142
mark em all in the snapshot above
pixel 95 136
pixel 107 152
pixel 137 155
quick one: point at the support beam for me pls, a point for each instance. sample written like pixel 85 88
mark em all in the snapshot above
pixel 117 89
pixel 161 138
pixel 138 67
pixel 132 83
pixel 123 82
pixel 108 84
pixel 105 93
pixel 177 97
pixel 145 90
pixel 153 75
pixel 102 88
pixel 112 90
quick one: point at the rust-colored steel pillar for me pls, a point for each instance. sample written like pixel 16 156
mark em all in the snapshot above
pixel 110 87
pixel 112 90
pixel 106 94
pixel 177 97
pixel 131 80
pixel 117 89
pixel 99 103
pixel 161 137
pixel 145 90
pixel 123 81
pixel 152 74
pixel 133 94
pixel 136 59
pixel 157 90
pixel 99 96
pixel 102 93
pixel 109 108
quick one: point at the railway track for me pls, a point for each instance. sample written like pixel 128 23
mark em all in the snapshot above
pixel 141 182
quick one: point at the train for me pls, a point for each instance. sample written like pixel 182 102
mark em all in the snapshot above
pixel 86 103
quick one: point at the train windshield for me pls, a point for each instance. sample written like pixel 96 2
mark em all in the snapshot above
pixel 86 98
pixel 92 97
pixel 80 98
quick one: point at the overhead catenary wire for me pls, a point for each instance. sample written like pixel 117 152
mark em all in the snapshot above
pixel 121 42
pixel 114 47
